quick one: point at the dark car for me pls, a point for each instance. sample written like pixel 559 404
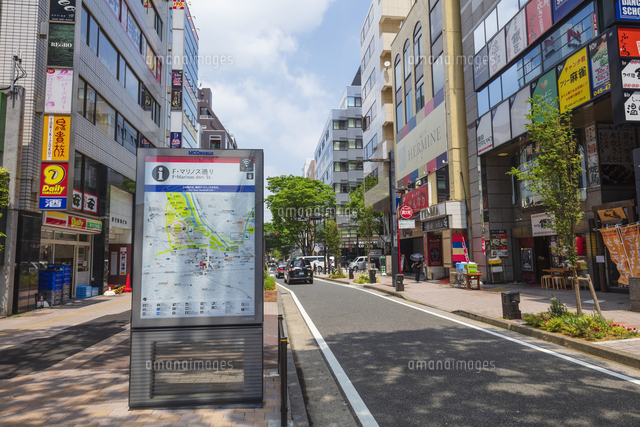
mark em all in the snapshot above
pixel 298 269
pixel 280 270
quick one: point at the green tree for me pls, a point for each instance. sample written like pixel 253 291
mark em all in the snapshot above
pixel 554 175
pixel 296 203
pixel 280 241
pixel 369 222
pixel 4 194
pixel 334 242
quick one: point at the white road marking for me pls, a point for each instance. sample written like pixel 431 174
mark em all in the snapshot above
pixel 615 341
pixel 523 343
pixel 358 405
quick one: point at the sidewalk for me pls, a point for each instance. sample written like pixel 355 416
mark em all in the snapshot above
pixel 68 385
pixel 451 297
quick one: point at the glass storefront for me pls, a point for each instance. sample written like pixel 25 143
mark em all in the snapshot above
pixel 62 248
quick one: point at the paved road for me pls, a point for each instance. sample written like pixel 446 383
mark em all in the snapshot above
pixel 481 380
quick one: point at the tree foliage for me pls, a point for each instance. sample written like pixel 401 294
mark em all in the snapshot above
pixel 369 222
pixel 554 174
pixel 280 241
pixel 334 241
pixel 296 203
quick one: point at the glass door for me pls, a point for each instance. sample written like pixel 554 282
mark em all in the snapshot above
pixel 83 265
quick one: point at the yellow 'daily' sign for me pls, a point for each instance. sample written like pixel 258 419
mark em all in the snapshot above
pixel 573 84
pixel 55 141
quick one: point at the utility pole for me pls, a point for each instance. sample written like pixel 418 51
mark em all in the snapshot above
pixel 393 215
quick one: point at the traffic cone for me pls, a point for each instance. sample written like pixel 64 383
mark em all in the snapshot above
pixel 127 287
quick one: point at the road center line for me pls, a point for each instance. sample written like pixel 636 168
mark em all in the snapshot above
pixel 358 405
pixel 496 334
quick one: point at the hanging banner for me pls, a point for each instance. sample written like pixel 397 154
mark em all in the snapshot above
pixel 55 141
pixel 59 92
pixel 516 36
pixel 616 253
pixel 539 18
pixel 631 241
pixel 573 83
pixel 600 74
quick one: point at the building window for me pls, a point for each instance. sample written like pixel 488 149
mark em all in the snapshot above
pixel 92 36
pixel 420 94
pixel 81 95
pixel 397 74
pixel 408 103
pixel 371 147
pixel 436 21
pixel 417 45
pixel 105 117
pixel 354 101
pixel 340 124
pixel 340 167
pixel 398 85
pixel 214 141
pixel 108 54
pixel 355 165
pixel 507 9
pixel 437 69
pixel 406 57
pixel 339 146
pixel 483 101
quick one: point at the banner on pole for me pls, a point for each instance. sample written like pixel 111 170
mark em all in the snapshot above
pixel 613 242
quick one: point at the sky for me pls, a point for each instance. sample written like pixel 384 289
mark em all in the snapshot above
pixel 276 68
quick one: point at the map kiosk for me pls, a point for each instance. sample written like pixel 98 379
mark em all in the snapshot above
pixel 197 307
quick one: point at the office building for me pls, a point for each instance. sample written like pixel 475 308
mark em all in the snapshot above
pixel 574 51
pixel 339 154
pixel 95 91
pixel 212 132
pixel 184 127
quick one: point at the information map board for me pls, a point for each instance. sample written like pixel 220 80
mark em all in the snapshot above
pixel 198 260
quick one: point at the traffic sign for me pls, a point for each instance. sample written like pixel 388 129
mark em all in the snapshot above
pixel 406 212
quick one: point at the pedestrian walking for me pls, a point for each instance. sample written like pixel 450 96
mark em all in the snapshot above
pixel 417 266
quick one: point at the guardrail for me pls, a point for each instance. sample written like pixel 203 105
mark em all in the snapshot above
pixel 283 344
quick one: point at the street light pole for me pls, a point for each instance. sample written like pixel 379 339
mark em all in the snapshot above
pixel 393 218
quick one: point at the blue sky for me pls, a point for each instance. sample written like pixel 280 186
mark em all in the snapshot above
pixel 292 60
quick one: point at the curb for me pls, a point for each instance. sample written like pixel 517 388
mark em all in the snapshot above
pixel 617 356
pixel 572 343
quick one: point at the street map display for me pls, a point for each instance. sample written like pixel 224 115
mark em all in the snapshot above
pixel 199 251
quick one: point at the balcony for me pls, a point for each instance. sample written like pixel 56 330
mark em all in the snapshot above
pixel 395 10
pixel 387 38
pixel 387 113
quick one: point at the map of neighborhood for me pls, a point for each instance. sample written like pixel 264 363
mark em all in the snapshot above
pixel 199 254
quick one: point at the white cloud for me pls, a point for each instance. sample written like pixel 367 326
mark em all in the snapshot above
pixel 257 34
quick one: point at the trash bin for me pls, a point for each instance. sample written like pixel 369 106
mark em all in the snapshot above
pixel 511 305
pixel 399 282
pixel 372 276
pixel 351 274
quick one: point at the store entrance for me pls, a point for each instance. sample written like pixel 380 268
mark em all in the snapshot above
pixel 68 251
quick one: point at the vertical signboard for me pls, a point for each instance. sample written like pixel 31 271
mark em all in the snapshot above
pixel 593 169
pixel 573 83
pixel 546 87
pixel 539 19
pixel 516 36
pixel 176 139
pixel 198 280
pixel 599 60
pixel 61 42
pixel 481 68
pixel 53 186
pixel 201 206
pixel 56 134
pixel 497 53
pixel 62 10
pixel 59 91
pixel 484 134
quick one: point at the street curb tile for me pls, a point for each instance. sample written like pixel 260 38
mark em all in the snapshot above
pixel 622 357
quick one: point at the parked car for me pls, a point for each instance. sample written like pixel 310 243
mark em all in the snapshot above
pixel 298 269
pixel 359 263
pixel 280 270
pixel 318 262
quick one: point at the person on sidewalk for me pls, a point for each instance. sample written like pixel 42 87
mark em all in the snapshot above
pixel 417 266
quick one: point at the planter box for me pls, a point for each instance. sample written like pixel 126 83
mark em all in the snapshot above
pixel 634 293
pixel 270 296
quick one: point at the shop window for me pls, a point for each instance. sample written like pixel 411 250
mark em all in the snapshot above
pixel 67 237
pixel 46 235
pixel 84 238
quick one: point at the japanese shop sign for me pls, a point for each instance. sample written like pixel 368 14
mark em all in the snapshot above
pixel 90 203
pixel 629 41
pixel 562 7
pixel 55 144
pixel 484 134
pixel 516 36
pixel 59 92
pixel 631 74
pixel 54 179
pixel 500 243
pixel 417 199
pixel 497 53
pixel 573 85
pixel 632 106
pixel 600 73
pixel 62 10
pixel 539 18
pixel 62 220
pixel 547 88
pixel 61 44
pixel 177 4
pixel 593 170
pixel 616 145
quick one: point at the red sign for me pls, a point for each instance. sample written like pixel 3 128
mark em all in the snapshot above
pixel 53 180
pixel 406 212
pixel 539 18
pixel 433 249
pixel 417 199
pixel 629 39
